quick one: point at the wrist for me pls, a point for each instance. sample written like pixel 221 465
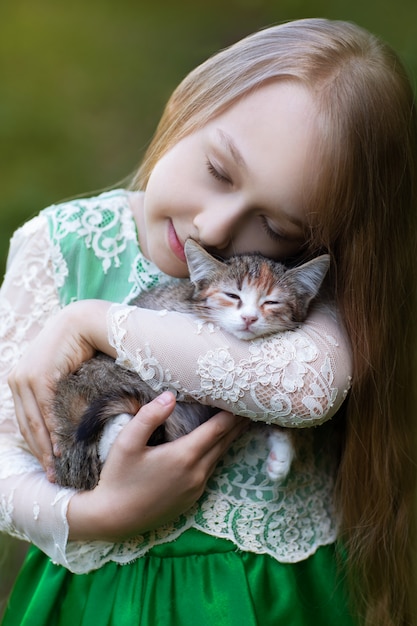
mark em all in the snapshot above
pixel 78 517
pixel 87 519
pixel 89 318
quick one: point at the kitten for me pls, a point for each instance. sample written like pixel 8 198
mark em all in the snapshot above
pixel 248 296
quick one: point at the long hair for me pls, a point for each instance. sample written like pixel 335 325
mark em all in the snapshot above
pixel 362 210
pixel 365 207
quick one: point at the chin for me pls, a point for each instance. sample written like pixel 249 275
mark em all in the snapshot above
pixel 173 267
pixel 246 335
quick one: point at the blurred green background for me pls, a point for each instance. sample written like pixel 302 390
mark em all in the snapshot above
pixel 83 84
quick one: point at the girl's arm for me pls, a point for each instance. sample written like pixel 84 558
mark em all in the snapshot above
pixel 295 379
pixel 30 507
pixel 36 510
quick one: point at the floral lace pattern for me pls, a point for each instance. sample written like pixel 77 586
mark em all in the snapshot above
pixel 287 379
pixel 105 228
pixel 299 378
pixel 275 519
pixel 288 522
pixel 99 222
pixel 285 364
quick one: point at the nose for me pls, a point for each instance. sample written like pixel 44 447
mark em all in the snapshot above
pixel 216 226
pixel 249 319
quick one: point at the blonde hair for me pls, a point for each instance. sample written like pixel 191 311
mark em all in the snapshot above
pixel 363 211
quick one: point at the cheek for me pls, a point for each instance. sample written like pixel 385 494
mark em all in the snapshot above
pixel 160 179
pixel 150 205
pixel 169 176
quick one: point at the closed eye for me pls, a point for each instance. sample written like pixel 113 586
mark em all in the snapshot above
pixel 273 234
pixel 233 296
pixel 217 173
pixel 272 302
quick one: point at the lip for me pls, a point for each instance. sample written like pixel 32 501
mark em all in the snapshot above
pixel 245 334
pixel 175 244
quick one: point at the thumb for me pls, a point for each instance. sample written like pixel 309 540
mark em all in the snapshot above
pixel 149 417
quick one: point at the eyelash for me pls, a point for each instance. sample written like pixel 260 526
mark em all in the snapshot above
pixel 271 233
pixel 216 174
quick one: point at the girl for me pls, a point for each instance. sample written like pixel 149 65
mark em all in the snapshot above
pixel 298 139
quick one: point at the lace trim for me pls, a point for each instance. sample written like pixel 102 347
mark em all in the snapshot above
pixel 143 276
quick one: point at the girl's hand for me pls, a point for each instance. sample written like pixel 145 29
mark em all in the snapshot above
pixel 67 340
pixel 143 487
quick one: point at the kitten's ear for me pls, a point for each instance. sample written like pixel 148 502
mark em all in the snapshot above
pixel 310 276
pixel 200 263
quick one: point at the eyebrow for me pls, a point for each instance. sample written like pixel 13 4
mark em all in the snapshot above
pixel 230 145
pixel 232 148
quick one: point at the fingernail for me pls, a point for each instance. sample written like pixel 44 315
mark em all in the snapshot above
pixel 165 398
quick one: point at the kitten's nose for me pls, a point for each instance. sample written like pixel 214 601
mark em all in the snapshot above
pixel 249 319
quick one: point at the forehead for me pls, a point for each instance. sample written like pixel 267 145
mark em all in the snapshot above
pixel 271 133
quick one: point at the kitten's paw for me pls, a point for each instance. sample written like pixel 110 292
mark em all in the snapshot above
pixel 110 432
pixel 280 457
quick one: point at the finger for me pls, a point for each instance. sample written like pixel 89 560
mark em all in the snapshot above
pixel 37 396
pixel 221 445
pixel 218 430
pixel 207 443
pixel 34 431
pixel 202 448
pixel 44 397
pixel 147 420
pixel 33 402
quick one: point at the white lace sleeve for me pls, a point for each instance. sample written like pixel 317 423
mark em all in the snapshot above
pixel 31 508
pixel 296 378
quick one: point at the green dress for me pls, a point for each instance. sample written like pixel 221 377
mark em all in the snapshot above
pixel 196 577
pixel 196 580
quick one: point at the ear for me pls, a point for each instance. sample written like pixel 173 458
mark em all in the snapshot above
pixel 310 275
pixel 201 264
